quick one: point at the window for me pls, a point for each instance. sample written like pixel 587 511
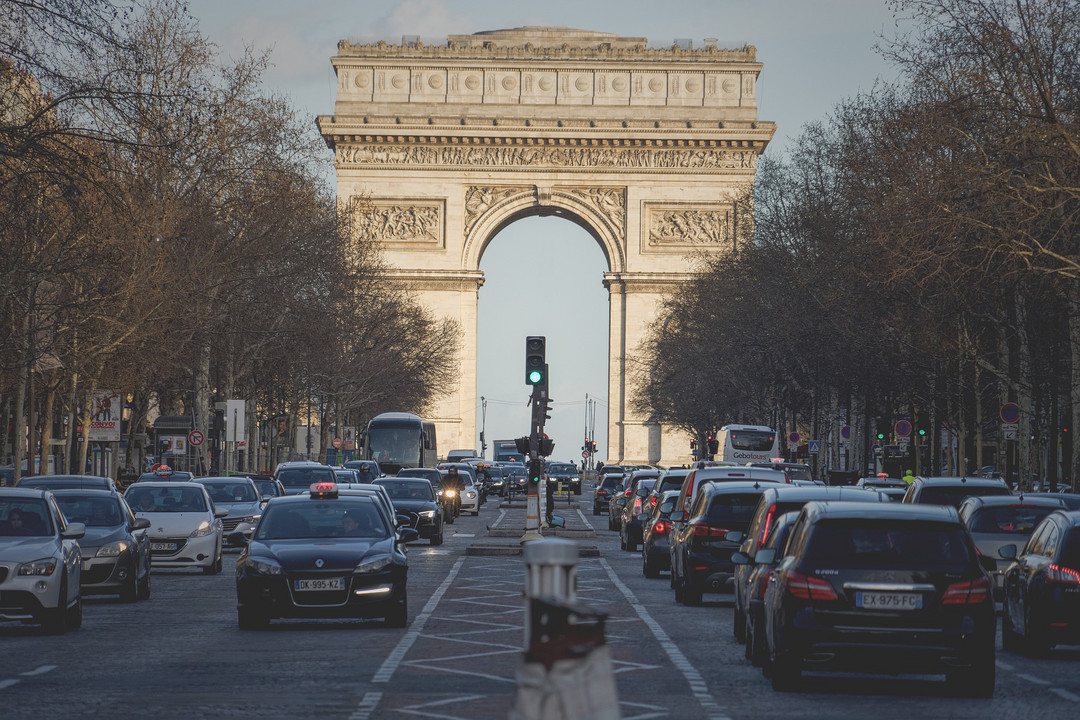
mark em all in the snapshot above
pixel 888 545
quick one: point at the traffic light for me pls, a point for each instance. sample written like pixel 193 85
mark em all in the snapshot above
pixel 535 364
pixel 536 471
pixel 547 446
pixel 922 432
pixel 714 445
pixel 693 444
pixel 593 446
pixel 881 436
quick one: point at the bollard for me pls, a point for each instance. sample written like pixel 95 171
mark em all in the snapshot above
pixel 566 673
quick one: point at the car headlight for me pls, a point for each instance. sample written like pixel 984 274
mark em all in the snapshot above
pixel 205 528
pixel 373 565
pixel 427 514
pixel 44 566
pixel 112 549
pixel 265 567
pixel 470 494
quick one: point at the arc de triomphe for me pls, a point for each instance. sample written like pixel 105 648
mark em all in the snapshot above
pixel 645 148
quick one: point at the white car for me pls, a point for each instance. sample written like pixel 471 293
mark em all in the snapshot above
pixel 185 527
pixel 470 496
pixel 40 561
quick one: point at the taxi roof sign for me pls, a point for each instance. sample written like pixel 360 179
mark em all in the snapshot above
pixel 324 490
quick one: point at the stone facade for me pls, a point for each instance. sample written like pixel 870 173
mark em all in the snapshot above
pixel 644 147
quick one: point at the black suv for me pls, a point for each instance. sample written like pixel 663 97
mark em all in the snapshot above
pixel 952 490
pixel 882 588
pixel 566 473
pixel 607 486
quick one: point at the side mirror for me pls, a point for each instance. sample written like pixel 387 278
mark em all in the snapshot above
pixel 988 563
pixel 407 534
pixel 557 521
pixel 765 556
pixel 220 512
pixel 74 531
pixel 1007 552
pixel 621 502
pixel 667 507
pixel 402 520
pixel 677 516
pixel 140 524
pixel 740 559
pixel 237 539
pixel 642 492
pixel 735 536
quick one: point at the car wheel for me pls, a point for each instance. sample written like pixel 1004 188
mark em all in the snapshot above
pixel 437 539
pixel 978 681
pixel 74 620
pixel 595 510
pixel 144 588
pixel 755 642
pixel 740 624
pixel 677 585
pixel 214 568
pixel 748 643
pixel 786 673
pixel 631 545
pixel 251 620
pixel 130 593
pixel 691 595
pixel 1036 639
pixel 622 541
pixel 1010 639
pixel 55 621
pixel 399 616
pixel 649 569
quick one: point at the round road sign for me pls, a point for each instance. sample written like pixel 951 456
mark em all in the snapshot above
pixel 195 438
pixel 585 454
pixel 903 428
pixel 1010 412
pixel 336 442
pixel 793 438
pixel 845 432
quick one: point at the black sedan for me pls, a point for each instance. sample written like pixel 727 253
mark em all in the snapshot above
pixel 116 546
pixel 323 555
pixel 415 498
pixel 885 587
pixel 1042 588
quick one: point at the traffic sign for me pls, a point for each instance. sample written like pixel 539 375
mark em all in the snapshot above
pixel 195 438
pixel 903 428
pixel 814 447
pixel 1010 434
pixel 845 432
pixel 1010 412
pixel 584 454
pixel 793 438
pixel 336 442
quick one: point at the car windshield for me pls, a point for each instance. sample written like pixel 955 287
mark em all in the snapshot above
pixel 888 545
pixel 231 492
pixel 355 518
pixel 24 518
pixel 954 494
pixel 165 499
pixel 267 487
pixel 306 476
pixel 563 468
pixel 798 472
pixel 408 490
pixel 91 511
pixel 1011 519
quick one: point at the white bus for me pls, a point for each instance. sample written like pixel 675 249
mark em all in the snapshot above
pixel 741 444
pixel 399 440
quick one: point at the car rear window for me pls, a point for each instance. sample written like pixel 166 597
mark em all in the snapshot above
pixel 611 481
pixel 303 477
pixel 1011 519
pixel 1070 552
pixel 888 545
pixel 732 510
pixel 670 483
pixel 955 494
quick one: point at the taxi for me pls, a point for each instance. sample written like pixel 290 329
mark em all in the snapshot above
pixel 323 554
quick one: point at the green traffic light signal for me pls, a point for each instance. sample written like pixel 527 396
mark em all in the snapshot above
pixel 881 436
pixel 535 376
pixel 922 432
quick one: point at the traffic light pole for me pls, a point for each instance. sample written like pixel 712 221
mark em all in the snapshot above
pixel 539 446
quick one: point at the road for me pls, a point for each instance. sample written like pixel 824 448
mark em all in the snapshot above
pixel 180 654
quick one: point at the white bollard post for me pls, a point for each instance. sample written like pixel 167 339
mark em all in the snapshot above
pixel 550 571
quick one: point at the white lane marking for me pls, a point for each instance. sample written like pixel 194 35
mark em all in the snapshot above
pixel 425 710
pixel 1033 679
pixel 1065 694
pixel 38 671
pixel 713 711
pixel 1004 666
pixel 5 684
pixel 394 659
pixel 585 520
pixel 457 534
pixel 502 514
pixel 367 705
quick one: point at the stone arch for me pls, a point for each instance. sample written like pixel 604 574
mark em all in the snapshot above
pixel 523 203
pixel 643 147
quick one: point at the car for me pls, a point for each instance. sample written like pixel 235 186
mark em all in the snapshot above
pixel 382 498
pixel 349 475
pixel 298 476
pixel 185 527
pixel 40 561
pixel 704 538
pixel 639 486
pixel 61 482
pixel 606 486
pixel 882 481
pixel 952 490
pixel 655 548
pixel 1041 607
pixel 115 547
pixel 881 587
pixel 367 470
pixel 566 473
pixel 416 498
pixel 612 470
pixel 671 479
pixel 777 500
pixel 240 497
pixel 267 485
pixel 497 479
pixel 517 477
pixel 715 472
pixel 323 554
pixel 797 472
pixel 998 520
pixel 164 474
pixel 614 509
pixel 455 456
pixel 761 567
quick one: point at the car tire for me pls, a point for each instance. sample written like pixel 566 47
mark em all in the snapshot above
pixel 739 626
pixel 976 682
pixel 251 620
pixel 55 620
pixel 144 588
pixel 677 585
pixel 755 642
pixel 595 510
pixel 214 568
pixel 630 544
pixel 398 617
pixel 74 619
pixel 1036 640
pixel 130 593
pixel 748 643
pixel 691 595
pixel 786 673
pixel 1010 639
pixel 437 539
pixel 649 569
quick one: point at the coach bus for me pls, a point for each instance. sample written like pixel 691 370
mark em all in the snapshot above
pixel 741 444
pixel 399 440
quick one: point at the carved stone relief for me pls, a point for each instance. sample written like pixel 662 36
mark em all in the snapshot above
pixel 680 226
pixel 401 221
pixel 479 200
pixel 609 202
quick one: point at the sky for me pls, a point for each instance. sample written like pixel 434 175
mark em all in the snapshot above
pixel 815 53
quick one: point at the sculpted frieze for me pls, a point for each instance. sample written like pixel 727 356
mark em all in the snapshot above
pixel 479 200
pixel 546 156
pixel 609 202
pixel 394 222
pixel 687 226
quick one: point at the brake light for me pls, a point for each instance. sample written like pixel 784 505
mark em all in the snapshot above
pixel 809 588
pixel 628 491
pixel 971 592
pixel 661 526
pixel 601 491
pixel 705 530
pixel 637 505
pixel 1058 574
pixel 652 500
pixel 767 524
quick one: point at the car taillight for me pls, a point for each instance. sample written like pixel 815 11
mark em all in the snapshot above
pixel 637 506
pixel 652 500
pixel 1057 574
pixel 701 529
pixel 971 592
pixel 767 524
pixel 763 585
pixel 628 491
pixel 809 588
pixel 661 526
pixel 601 491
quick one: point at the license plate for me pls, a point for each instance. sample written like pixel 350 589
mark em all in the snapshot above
pixel 169 547
pixel 319 584
pixel 888 601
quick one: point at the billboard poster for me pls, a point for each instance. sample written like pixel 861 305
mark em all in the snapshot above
pixel 105 412
pixel 172 444
pixel 349 440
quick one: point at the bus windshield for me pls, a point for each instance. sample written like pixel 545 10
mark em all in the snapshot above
pixel 395 445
